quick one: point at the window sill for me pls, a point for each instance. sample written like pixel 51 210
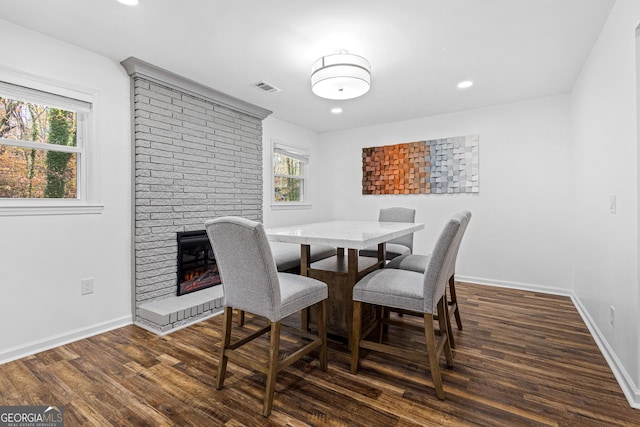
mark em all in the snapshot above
pixel 289 206
pixel 35 209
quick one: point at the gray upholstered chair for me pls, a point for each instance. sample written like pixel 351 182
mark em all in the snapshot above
pixel 251 283
pixel 415 293
pixel 418 263
pixel 396 247
pixel 287 258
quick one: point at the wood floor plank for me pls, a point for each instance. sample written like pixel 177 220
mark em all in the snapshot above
pixel 523 358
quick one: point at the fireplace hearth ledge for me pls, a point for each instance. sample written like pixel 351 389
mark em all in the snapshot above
pixel 176 312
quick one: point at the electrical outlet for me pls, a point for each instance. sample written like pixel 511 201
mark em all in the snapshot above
pixel 86 286
pixel 612 316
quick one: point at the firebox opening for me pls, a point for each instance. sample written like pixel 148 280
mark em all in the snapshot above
pixel 197 268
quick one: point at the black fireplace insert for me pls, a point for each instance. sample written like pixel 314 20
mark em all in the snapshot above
pixel 197 267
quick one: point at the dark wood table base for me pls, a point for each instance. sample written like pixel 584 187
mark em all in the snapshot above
pixel 341 272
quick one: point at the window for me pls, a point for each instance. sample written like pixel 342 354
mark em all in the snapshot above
pixel 43 140
pixel 290 172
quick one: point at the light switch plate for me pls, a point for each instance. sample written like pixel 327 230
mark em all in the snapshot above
pixel 612 203
pixel 86 286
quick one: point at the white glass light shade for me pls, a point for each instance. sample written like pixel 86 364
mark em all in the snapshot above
pixel 340 76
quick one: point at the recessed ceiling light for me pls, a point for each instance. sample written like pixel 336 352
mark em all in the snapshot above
pixel 465 84
pixel 129 2
pixel 336 110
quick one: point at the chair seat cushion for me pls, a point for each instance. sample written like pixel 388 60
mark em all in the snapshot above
pixel 393 250
pixel 299 292
pixel 287 255
pixel 392 288
pixel 411 262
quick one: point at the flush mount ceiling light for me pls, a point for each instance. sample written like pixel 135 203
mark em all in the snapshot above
pixel 340 76
pixel 465 84
pixel 129 2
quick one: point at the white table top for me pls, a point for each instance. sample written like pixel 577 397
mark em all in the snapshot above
pixel 342 234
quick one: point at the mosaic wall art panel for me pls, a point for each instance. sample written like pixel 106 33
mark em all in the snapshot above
pixel 438 166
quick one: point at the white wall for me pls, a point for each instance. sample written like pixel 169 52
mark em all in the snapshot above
pixel 43 258
pixel 518 234
pixel 605 159
pixel 286 133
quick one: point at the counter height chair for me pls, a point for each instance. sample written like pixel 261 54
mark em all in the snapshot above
pixel 418 263
pixel 400 246
pixel 251 283
pixel 287 258
pixel 411 292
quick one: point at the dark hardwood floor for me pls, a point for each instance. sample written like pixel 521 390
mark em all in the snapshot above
pixel 522 358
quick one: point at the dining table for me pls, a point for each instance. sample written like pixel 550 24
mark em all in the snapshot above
pixel 342 271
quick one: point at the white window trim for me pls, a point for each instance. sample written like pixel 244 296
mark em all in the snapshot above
pixel 296 153
pixel 34 88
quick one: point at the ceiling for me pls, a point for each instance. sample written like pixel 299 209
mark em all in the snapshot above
pixel 418 49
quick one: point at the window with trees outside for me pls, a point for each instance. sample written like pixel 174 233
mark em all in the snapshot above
pixel 290 175
pixel 42 144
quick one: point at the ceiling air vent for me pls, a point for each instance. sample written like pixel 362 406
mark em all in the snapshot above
pixel 267 87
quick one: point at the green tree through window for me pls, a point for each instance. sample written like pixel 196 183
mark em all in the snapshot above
pixel 61 132
pixel 289 174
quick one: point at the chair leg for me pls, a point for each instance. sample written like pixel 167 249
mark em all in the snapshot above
pixel 226 339
pixel 445 330
pixel 384 328
pixel 448 321
pixel 241 319
pixel 274 352
pixel 322 332
pixel 433 355
pixel 454 301
pixel 356 327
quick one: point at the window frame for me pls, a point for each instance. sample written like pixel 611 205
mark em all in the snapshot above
pixel 297 153
pixel 28 88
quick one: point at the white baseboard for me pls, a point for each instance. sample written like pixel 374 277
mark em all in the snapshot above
pixel 515 285
pixel 630 390
pixel 61 339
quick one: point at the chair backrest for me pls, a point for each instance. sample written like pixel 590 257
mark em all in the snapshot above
pixel 456 243
pixel 247 268
pixel 443 259
pixel 399 215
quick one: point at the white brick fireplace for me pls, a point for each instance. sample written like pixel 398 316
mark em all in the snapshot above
pixel 198 155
